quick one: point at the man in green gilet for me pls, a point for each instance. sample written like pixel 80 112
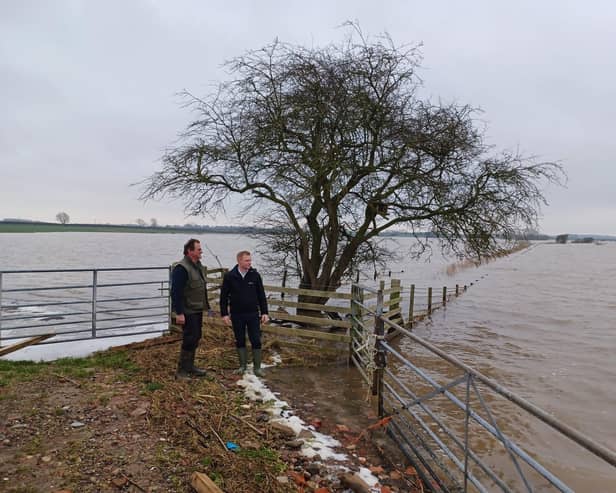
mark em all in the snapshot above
pixel 189 300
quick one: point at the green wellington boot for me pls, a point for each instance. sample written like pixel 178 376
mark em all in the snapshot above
pixel 184 365
pixel 241 352
pixel 256 362
pixel 197 372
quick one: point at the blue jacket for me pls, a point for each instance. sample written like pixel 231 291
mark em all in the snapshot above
pixel 245 296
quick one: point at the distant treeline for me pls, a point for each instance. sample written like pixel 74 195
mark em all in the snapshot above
pixel 526 236
pixel 46 227
pixel 25 226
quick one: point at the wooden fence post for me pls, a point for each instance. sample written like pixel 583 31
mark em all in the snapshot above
pixel 379 357
pixel 411 306
pixel 394 301
pixel 429 301
pixel 284 282
pixel 444 295
pixel 357 296
pixel 457 290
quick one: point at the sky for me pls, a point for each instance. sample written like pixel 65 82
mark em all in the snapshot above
pixel 89 90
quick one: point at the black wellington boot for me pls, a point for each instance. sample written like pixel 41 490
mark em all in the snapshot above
pixel 184 365
pixel 197 372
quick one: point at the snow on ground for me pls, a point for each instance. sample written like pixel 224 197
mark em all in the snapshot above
pixel 368 477
pixel 315 443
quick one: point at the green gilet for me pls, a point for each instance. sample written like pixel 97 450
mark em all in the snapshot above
pixel 195 296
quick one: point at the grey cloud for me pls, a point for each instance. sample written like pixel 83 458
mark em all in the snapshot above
pixel 88 89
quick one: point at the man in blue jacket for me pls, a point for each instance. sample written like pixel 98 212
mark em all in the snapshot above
pixel 243 296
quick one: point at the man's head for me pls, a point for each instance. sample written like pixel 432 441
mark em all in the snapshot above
pixel 244 260
pixel 193 250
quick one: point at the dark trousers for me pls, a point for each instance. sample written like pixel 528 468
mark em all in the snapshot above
pixel 242 323
pixel 191 332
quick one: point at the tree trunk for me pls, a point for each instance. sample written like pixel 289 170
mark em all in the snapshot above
pixel 315 300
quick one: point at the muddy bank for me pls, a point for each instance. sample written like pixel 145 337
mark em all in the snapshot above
pixel 334 396
pixel 119 421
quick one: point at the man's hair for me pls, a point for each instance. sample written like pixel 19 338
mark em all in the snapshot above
pixel 190 245
pixel 241 253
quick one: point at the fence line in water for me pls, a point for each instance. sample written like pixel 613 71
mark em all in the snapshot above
pixel 421 409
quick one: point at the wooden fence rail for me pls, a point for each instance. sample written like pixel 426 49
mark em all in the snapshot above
pixel 312 326
pixel 309 292
pixel 285 306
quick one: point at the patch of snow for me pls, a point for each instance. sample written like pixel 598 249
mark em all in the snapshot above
pixel 324 446
pixel 276 360
pixel 317 443
pixel 368 477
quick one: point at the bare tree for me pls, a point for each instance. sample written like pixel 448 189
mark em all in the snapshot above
pixel 330 147
pixel 63 218
pixel 154 222
pixel 140 222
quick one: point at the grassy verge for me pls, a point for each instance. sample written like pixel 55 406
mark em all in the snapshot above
pixel 12 372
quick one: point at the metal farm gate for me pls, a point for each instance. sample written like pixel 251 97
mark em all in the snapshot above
pixel 80 304
pixel 447 417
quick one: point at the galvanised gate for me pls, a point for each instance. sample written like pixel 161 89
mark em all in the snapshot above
pixel 440 417
pixel 81 304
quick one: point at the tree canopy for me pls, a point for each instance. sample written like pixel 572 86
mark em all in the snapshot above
pixel 332 146
pixel 63 218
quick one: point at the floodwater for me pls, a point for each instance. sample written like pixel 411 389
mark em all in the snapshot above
pixel 542 322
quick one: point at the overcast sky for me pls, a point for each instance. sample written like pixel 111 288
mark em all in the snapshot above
pixel 88 90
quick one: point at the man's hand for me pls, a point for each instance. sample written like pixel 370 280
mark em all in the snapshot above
pixel 264 318
pixel 227 320
pixel 179 319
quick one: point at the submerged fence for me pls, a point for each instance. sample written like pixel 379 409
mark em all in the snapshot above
pixel 81 304
pixel 449 421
